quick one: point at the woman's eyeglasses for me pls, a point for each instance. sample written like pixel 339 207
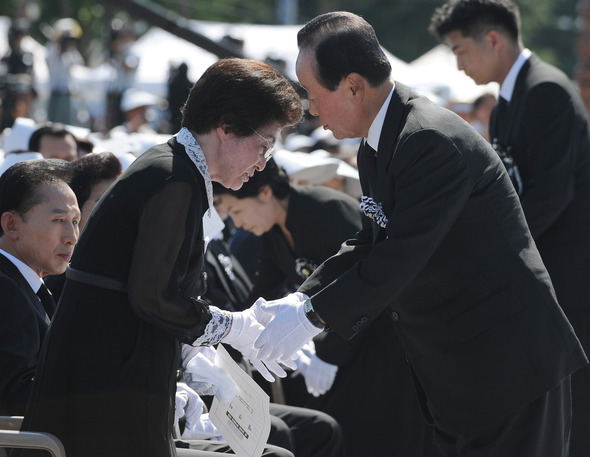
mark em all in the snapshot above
pixel 270 146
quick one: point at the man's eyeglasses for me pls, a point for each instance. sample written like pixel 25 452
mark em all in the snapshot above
pixel 270 149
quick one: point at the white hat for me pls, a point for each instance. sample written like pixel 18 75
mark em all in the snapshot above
pixel 123 148
pixel 321 134
pixel 17 157
pixel 301 166
pixel 67 27
pixel 352 183
pixel 78 132
pixel 17 137
pixel 294 142
pixel 134 98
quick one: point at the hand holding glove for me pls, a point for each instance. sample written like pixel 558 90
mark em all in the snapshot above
pixel 189 405
pixel 204 376
pixel 288 331
pixel 319 375
pixel 188 352
pixel 242 334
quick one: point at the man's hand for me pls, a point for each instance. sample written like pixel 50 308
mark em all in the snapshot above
pixel 189 405
pixel 319 375
pixel 244 331
pixel 288 330
pixel 202 375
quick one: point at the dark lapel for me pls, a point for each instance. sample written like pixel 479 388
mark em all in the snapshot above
pixel 382 188
pixel 504 122
pixel 12 271
pixel 392 127
pixel 394 121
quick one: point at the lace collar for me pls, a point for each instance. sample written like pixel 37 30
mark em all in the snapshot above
pixel 186 138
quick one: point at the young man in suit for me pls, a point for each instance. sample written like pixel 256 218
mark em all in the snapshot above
pixel 542 123
pixel 444 252
pixel 39 218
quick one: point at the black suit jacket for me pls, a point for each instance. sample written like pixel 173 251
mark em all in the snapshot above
pixel 455 268
pixel 23 327
pixel 546 127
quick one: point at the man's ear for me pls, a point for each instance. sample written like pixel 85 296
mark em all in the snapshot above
pixel 356 85
pixel 494 38
pixel 10 224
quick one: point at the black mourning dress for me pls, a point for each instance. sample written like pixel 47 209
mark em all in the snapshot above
pixel 106 379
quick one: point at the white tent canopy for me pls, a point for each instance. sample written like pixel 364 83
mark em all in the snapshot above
pixel 436 72
pixel 159 50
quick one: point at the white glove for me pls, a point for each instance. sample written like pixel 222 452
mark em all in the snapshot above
pixel 205 377
pixel 188 352
pixel 319 375
pixel 288 331
pixel 189 405
pixel 242 334
pixel 203 429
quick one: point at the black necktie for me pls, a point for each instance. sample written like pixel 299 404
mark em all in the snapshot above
pixel 46 300
pixel 370 151
pixel 502 103
pixel 371 161
pixel 498 123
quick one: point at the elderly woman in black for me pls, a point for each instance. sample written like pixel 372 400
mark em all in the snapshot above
pixel 106 380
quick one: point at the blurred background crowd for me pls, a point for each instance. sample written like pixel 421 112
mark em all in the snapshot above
pixel 108 71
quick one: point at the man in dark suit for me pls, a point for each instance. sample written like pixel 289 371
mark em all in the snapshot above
pixel 542 124
pixel 444 252
pixel 39 218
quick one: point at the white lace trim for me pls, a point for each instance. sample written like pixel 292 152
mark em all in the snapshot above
pixel 216 328
pixel 186 138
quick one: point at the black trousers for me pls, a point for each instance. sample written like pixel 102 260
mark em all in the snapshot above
pixel 312 433
pixel 294 431
pixel 539 429
pixel 204 448
pixel 580 441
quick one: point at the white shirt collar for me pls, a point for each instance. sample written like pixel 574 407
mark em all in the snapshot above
pixel 507 87
pixel 377 124
pixel 32 278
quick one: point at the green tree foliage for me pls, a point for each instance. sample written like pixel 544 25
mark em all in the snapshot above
pixel 550 27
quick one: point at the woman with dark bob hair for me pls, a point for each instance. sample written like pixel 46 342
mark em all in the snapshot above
pixel 107 375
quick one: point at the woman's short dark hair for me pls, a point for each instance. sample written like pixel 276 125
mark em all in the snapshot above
pixel 344 43
pixel 272 175
pixel 22 185
pixel 474 18
pixel 92 169
pixel 241 94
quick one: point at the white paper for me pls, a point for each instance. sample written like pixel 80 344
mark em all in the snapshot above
pixel 245 421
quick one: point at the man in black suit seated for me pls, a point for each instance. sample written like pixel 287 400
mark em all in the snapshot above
pixel 540 126
pixel 39 228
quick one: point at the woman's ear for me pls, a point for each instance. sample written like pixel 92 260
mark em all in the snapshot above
pixel 265 193
pixel 223 131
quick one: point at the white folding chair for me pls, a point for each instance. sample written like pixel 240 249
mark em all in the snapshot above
pixel 12 437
